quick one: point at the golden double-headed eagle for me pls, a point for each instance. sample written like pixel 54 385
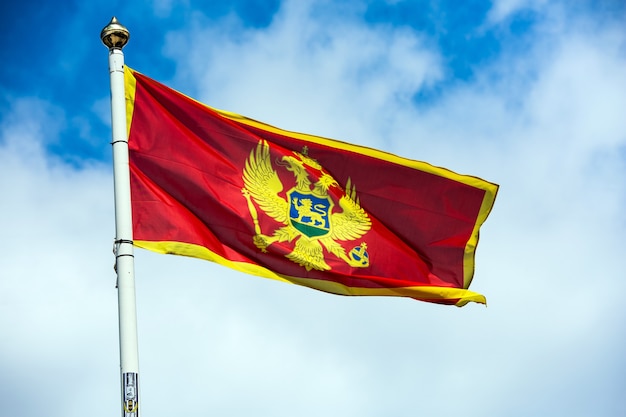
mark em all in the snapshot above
pixel 307 213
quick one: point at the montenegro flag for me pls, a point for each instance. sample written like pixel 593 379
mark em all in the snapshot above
pixel 298 208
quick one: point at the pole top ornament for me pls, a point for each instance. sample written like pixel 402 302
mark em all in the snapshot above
pixel 114 35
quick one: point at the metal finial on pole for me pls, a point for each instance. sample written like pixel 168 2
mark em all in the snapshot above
pixel 115 36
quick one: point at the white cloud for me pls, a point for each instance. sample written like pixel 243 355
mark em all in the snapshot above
pixel 539 123
pixel 501 10
pixel 302 72
pixel 57 311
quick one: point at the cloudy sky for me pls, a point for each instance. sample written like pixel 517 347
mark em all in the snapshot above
pixel 529 94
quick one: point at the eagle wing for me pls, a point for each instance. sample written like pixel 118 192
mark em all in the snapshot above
pixel 353 222
pixel 262 182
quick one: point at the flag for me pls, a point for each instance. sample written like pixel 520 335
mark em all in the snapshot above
pixel 307 210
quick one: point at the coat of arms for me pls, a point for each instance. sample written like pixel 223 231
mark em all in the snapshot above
pixel 307 211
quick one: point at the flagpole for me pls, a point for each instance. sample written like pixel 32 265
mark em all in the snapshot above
pixel 115 36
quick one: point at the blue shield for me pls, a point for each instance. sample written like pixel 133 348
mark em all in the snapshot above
pixel 309 213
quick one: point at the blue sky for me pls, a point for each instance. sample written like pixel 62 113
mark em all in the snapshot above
pixel 528 94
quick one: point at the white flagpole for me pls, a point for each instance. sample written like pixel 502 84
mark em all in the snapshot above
pixel 115 36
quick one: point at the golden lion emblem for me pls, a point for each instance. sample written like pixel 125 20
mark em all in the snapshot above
pixel 304 207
